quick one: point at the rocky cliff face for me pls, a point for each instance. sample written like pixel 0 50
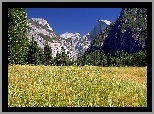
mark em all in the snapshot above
pixel 127 33
pixel 42 33
pixel 82 43
pixel 75 44
pixel 100 27
pixel 76 41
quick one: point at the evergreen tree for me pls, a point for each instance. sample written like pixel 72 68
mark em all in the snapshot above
pixel 47 55
pixel 88 59
pixel 119 55
pixel 92 57
pixel 33 55
pixel 139 59
pixel 84 61
pixel 109 59
pixel 79 60
pixel 103 59
pixel 17 36
pixel 57 59
pixel 128 61
pixel 97 57
pixel 63 57
pixel 68 62
pixel 113 61
pixel 41 55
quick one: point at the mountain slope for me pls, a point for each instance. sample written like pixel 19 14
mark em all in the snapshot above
pixel 82 43
pixel 128 33
pixel 100 26
pixel 42 33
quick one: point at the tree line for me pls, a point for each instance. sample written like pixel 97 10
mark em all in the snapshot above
pixel 38 56
pixel 120 58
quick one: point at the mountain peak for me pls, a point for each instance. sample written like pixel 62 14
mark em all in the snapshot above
pixel 69 35
pixel 38 19
pixel 100 26
pixel 41 21
pixel 106 21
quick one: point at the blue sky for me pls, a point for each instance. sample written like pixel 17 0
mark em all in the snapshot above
pixel 73 20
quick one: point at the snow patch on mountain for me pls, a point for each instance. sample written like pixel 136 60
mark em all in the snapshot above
pixel 106 21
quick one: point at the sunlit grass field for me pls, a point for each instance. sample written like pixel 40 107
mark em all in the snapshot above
pixel 77 86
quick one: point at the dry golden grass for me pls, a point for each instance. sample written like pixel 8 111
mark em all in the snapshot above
pixel 137 75
pixel 77 86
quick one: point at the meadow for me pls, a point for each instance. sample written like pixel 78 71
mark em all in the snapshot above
pixel 77 86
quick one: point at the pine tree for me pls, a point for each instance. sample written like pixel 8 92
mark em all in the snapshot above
pixel 139 59
pixel 17 36
pixel 97 57
pixel 118 57
pixel 47 55
pixel 33 53
pixel 103 59
pixel 84 59
pixel 92 57
pixel 41 55
pixel 57 59
pixel 128 60
pixel 64 57
pixel 109 59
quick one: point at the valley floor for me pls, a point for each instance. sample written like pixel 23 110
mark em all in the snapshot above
pixel 77 86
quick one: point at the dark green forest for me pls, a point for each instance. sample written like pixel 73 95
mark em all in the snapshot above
pixel 24 52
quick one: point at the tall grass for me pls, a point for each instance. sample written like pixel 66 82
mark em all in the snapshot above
pixel 54 86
